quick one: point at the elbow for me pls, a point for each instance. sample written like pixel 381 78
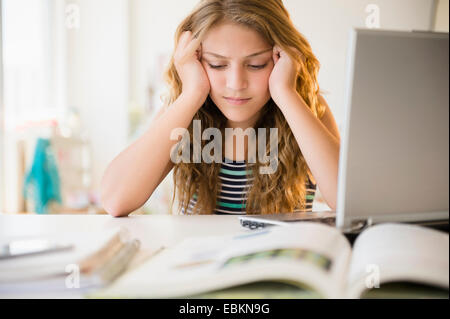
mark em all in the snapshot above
pixel 114 210
pixel 331 199
pixel 332 204
pixel 112 207
pixel 109 201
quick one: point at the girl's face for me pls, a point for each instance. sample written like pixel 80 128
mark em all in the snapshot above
pixel 238 62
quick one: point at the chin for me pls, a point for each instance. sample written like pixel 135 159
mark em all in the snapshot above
pixel 238 116
pixel 236 119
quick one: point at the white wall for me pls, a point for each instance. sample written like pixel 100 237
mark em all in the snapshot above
pixel 441 18
pixel 98 77
pixel 2 168
pixel 326 24
pixel 152 27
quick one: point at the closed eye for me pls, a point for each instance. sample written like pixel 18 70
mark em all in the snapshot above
pixel 216 66
pixel 262 66
pixel 256 67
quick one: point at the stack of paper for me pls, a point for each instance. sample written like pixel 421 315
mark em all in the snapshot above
pixel 73 261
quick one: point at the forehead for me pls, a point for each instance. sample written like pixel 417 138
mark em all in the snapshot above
pixel 233 40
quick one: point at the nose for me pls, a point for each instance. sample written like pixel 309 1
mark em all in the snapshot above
pixel 236 79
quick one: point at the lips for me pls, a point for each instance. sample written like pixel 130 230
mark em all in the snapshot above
pixel 237 101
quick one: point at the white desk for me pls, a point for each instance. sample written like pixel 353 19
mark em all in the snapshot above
pixel 153 231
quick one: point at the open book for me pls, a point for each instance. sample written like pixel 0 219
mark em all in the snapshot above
pixel 310 256
pixel 89 260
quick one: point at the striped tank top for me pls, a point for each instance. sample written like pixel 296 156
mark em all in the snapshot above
pixel 234 185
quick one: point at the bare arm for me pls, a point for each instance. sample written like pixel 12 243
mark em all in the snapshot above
pixel 134 174
pixel 319 142
pixel 328 119
pixel 318 139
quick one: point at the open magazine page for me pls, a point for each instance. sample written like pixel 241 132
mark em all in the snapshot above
pixel 310 254
pixel 398 253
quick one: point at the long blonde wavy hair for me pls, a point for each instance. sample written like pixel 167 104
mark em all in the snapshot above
pixel 284 190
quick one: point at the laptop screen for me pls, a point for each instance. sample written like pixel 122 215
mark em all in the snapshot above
pixel 394 153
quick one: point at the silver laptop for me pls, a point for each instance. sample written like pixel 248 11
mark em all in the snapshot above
pixel 394 158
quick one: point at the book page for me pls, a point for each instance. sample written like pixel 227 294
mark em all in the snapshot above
pixel 398 252
pixel 310 255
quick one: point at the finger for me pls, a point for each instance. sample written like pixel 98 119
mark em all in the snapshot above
pixel 188 47
pixel 276 54
pixel 198 52
pixel 180 48
pixel 192 46
pixel 184 38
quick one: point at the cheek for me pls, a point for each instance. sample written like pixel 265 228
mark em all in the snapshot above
pixel 260 81
pixel 216 79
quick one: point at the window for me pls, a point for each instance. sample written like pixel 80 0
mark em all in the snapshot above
pixel 33 49
pixel 31 57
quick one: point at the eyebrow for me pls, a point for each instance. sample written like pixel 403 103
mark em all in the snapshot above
pixel 248 56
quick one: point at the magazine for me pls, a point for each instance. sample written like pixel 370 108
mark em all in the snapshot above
pixel 312 257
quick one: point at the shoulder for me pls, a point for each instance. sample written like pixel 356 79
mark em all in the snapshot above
pixel 328 120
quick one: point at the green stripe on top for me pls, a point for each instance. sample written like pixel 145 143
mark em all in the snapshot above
pixel 229 205
pixel 309 196
pixel 235 173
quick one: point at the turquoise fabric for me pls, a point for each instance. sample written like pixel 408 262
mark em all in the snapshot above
pixel 42 182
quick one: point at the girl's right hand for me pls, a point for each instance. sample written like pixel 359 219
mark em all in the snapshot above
pixel 195 81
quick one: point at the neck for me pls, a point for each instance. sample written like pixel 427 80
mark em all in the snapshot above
pixel 244 124
pixel 236 147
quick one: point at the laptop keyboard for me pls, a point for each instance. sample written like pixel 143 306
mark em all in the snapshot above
pixel 331 221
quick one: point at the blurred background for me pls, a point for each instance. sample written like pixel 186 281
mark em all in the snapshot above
pixel 81 79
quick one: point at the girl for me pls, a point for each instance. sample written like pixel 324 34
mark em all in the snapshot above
pixel 237 64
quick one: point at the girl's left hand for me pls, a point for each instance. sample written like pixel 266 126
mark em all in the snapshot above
pixel 283 78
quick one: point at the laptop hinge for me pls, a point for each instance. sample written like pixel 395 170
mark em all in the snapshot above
pixel 358 225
